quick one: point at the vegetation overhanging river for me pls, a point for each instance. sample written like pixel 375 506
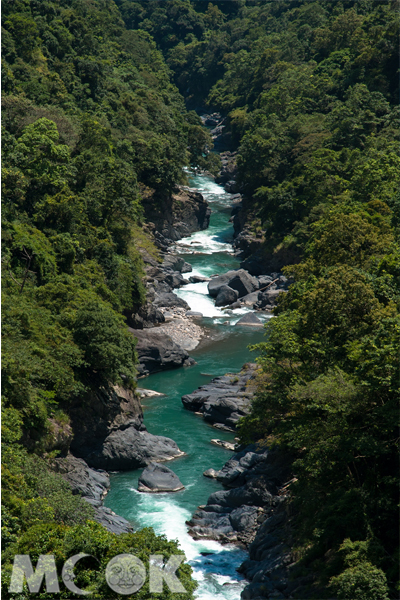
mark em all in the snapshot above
pixel 224 350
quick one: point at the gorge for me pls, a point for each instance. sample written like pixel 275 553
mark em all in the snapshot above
pixel 200 279
pixel 224 350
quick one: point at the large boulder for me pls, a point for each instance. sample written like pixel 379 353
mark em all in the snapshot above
pixel 250 299
pixel 176 263
pixel 269 297
pixel 239 280
pixel 174 279
pixel 157 351
pixel 131 449
pixel 158 478
pixel 171 261
pixel 226 295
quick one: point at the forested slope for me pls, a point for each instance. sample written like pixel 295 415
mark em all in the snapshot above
pixel 310 95
pixel 91 123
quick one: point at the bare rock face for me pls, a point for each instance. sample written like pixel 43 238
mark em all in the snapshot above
pixel 158 352
pixel 109 432
pixel 158 478
pixel 180 215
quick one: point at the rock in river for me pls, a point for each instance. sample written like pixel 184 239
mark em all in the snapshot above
pixel 130 449
pixel 225 399
pixel 251 320
pixel 158 478
pixel 226 295
pixel 239 280
pixel 223 444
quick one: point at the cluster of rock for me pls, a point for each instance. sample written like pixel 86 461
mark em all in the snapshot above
pixel 224 400
pixel 252 511
pixel 237 288
pixel 164 327
pixel 220 134
pixel 252 478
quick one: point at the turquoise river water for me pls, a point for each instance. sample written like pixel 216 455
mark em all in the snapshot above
pixel 224 350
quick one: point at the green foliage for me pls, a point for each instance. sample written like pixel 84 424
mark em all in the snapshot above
pixel 91 538
pixel 108 348
pixel 89 115
pixel 361 580
pixel 34 494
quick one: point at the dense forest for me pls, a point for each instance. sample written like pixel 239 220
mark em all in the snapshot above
pixel 99 117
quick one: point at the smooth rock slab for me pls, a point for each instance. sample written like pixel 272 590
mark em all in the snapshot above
pixel 158 478
pixel 211 473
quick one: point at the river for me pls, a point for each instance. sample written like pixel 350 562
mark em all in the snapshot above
pixel 224 350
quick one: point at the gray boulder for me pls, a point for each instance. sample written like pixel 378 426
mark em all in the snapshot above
pixel 264 280
pixel 158 478
pixel 131 449
pixel 239 280
pixel 226 295
pixel 198 279
pixel 175 279
pixel 211 473
pixel 269 297
pixel 157 351
pixel 250 299
pixel 250 320
pixel 187 268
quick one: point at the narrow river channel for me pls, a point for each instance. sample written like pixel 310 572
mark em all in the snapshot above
pixel 224 350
